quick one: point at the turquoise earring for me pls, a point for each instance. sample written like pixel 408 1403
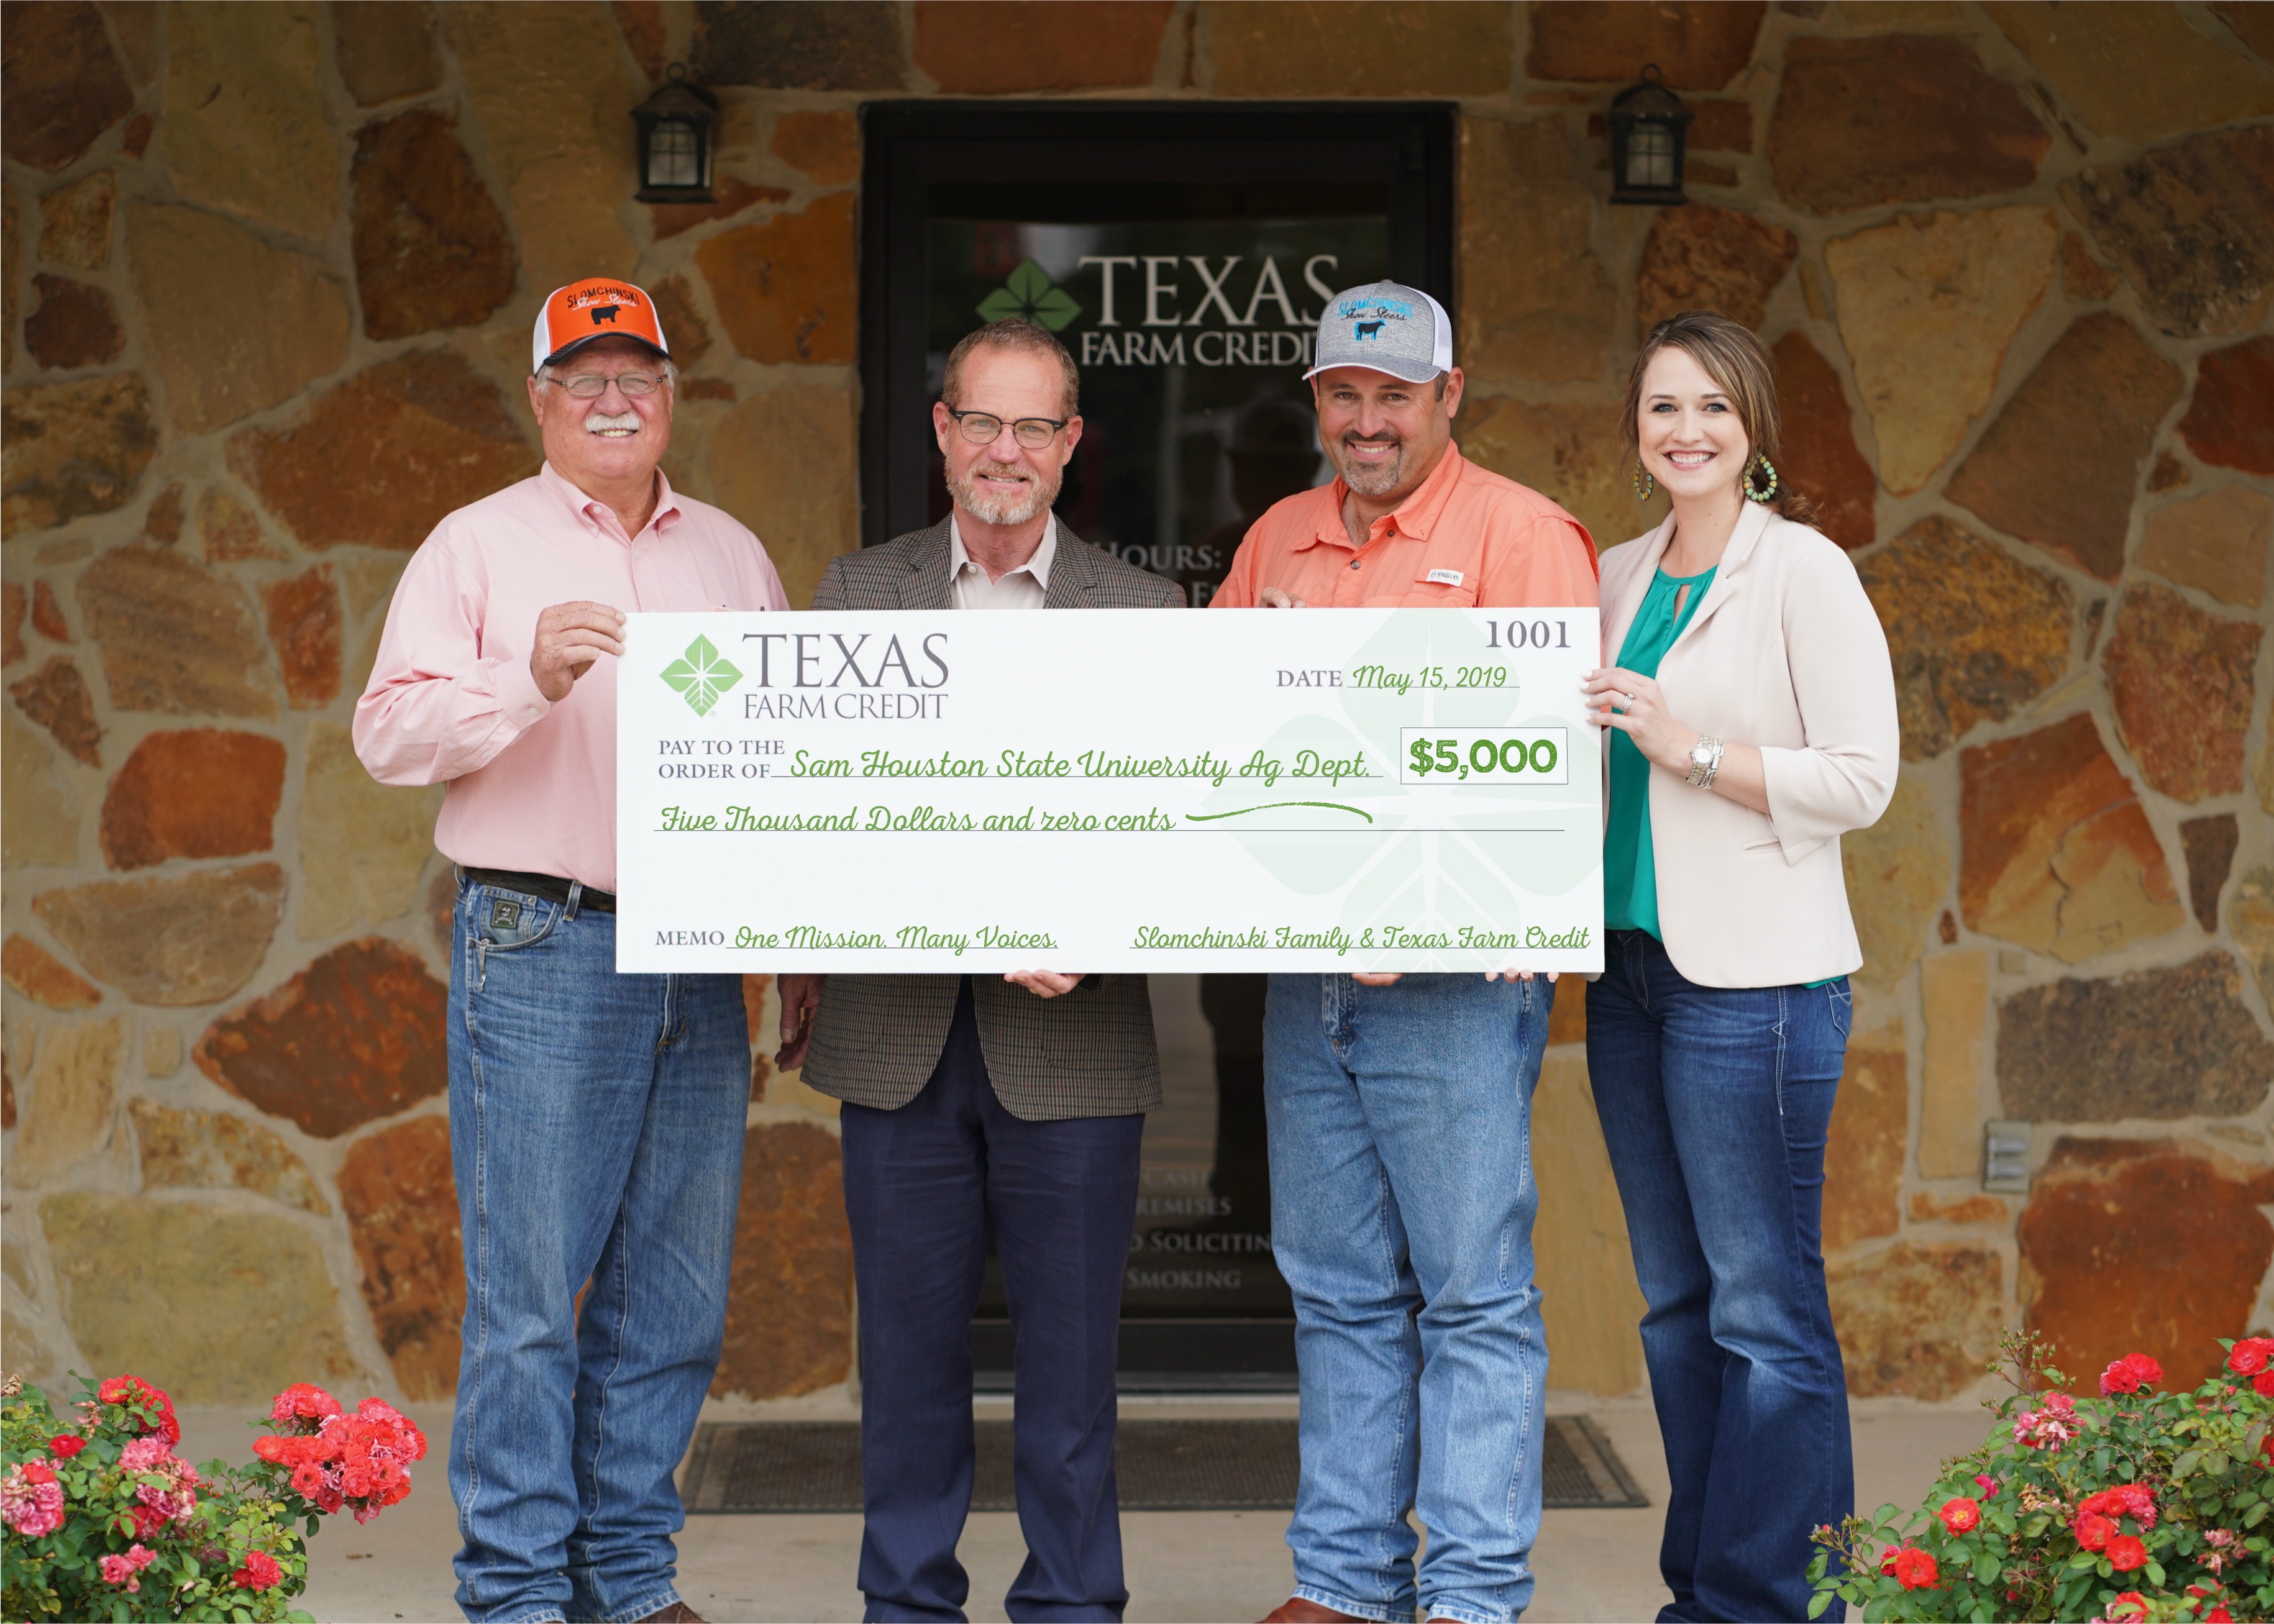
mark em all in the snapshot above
pixel 1756 491
pixel 1644 483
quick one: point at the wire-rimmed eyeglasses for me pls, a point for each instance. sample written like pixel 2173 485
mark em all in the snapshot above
pixel 984 428
pixel 592 386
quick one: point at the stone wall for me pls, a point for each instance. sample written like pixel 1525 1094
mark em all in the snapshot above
pixel 269 272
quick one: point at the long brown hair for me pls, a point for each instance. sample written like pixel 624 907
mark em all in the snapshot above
pixel 1733 358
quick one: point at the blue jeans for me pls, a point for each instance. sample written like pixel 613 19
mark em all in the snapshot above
pixel 1402 1203
pixel 596 1122
pixel 924 1187
pixel 1715 1102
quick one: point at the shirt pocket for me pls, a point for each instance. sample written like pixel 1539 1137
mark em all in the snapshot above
pixel 1442 594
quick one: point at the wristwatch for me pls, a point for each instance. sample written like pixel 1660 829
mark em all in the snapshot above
pixel 1705 762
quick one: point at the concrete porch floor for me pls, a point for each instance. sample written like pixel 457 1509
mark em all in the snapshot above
pixel 1203 1567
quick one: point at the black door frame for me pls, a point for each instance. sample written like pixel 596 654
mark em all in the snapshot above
pixel 1403 147
pixel 1400 152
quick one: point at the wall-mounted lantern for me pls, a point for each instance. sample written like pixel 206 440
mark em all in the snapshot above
pixel 674 141
pixel 1648 127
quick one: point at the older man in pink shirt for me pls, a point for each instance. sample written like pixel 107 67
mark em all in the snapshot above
pixel 596 1119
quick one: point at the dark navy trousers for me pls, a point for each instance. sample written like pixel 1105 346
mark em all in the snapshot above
pixel 925 1185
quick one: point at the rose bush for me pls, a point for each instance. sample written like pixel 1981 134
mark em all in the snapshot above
pixel 103 1520
pixel 2140 1504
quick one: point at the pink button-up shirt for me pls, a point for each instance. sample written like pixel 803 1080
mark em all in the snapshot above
pixel 533 782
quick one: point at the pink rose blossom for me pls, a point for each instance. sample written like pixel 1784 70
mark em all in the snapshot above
pixel 31 1501
pixel 149 1453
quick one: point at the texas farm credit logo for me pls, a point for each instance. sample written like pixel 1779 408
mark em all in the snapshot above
pixel 1175 310
pixel 702 675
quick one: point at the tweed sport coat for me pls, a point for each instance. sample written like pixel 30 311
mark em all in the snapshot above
pixel 875 1038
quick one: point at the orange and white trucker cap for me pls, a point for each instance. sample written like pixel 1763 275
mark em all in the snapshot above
pixel 598 307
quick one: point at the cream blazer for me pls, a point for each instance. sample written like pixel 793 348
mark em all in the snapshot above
pixel 1785 653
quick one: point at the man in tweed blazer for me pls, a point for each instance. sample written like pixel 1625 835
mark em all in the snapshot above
pixel 976 1104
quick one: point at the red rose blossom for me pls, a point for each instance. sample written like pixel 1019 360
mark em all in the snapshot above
pixel 2126 1554
pixel 134 1392
pixel 1916 1570
pixel 2250 1356
pixel 2094 1531
pixel 2129 1604
pixel 1960 1515
pixel 2146 1369
pixel 259 1572
pixel 2118 1378
pixel 2218 1615
pixel 2264 1382
pixel 66 1445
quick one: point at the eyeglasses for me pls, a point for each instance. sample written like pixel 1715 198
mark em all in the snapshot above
pixel 592 386
pixel 982 428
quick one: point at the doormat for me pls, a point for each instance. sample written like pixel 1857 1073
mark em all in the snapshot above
pixel 1234 1465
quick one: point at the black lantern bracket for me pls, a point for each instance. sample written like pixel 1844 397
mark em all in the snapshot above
pixel 674 141
pixel 1649 128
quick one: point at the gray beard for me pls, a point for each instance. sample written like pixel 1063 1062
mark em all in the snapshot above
pixel 1375 478
pixel 1004 510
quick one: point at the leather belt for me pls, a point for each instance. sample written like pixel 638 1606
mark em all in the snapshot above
pixel 551 887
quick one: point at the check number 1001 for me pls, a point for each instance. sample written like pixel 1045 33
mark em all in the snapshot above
pixel 1495 755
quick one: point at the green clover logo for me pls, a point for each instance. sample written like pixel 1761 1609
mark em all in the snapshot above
pixel 1030 293
pixel 702 676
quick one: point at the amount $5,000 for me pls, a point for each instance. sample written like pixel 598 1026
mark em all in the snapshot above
pixel 1496 755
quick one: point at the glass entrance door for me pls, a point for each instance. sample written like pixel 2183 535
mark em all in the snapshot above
pixel 1182 257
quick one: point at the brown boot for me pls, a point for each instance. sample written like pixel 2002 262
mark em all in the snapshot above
pixel 678 1613
pixel 1299 1610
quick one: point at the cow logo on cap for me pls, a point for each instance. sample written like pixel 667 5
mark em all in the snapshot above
pixel 1368 329
pixel 604 312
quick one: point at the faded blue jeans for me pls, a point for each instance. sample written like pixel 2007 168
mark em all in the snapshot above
pixel 1715 1103
pixel 596 1133
pixel 1402 1202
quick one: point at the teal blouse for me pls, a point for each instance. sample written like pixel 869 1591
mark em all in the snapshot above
pixel 1630 868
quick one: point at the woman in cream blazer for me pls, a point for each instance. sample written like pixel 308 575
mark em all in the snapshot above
pixel 1750 710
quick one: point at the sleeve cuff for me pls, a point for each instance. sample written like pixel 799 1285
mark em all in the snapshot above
pixel 517 695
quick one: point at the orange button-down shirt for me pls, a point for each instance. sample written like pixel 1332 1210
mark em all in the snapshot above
pixel 1466 536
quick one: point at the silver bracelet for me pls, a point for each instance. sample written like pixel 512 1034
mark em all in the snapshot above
pixel 1705 762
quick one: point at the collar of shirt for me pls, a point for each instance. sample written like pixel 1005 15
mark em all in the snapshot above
pixel 597 516
pixel 1415 516
pixel 1039 566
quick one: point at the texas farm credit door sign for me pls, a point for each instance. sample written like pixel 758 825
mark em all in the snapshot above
pixel 1192 336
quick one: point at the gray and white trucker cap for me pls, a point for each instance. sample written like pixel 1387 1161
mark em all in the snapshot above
pixel 1388 327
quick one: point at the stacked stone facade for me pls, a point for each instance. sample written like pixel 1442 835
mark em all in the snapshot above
pixel 269 271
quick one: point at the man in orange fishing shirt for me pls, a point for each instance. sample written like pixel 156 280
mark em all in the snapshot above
pixel 1400 1107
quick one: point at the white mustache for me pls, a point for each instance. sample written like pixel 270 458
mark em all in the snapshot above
pixel 599 422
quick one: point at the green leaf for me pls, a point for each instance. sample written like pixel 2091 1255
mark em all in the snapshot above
pixel 1056 309
pixel 1817 1603
pixel 1001 305
pixel 702 676
pixel 1028 293
pixel 2255 1516
pixel 1029 282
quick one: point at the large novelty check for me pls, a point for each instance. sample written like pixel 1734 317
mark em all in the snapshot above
pixel 1109 790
